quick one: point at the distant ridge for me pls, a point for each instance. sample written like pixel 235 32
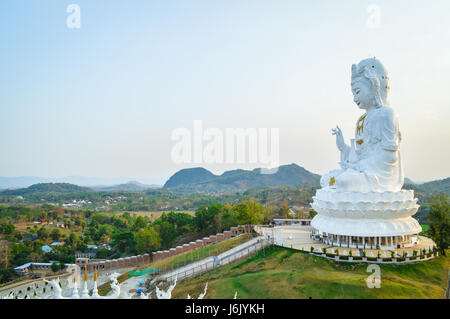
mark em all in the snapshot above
pixel 131 186
pixel 201 180
pixel 98 182
pixel 435 187
pixel 45 188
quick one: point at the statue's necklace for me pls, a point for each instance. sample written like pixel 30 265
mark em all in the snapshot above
pixel 360 128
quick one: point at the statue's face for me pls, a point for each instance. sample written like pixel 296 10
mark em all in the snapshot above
pixel 362 93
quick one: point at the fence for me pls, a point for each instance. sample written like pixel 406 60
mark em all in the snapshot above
pixel 213 262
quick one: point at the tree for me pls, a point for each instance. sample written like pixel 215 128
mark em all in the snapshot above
pixel 284 210
pixel 7 229
pixel 56 234
pixel 148 240
pixel 167 233
pixel 139 223
pixel 440 221
pixel 6 275
pixel 43 233
pixel 124 241
pixel 205 217
pixel 249 212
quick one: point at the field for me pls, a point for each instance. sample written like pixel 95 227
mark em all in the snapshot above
pixel 285 273
pixel 151 215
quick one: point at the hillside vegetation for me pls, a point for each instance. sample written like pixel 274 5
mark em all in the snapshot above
pixel 285 273
pixel 45 188
pixel 201 180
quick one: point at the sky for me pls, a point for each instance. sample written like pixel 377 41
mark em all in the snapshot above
pixel 104 99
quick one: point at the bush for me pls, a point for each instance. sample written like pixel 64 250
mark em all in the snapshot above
pixel 6 274
pixel 357 258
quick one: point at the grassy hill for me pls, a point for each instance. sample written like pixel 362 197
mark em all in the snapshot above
pixel 285 273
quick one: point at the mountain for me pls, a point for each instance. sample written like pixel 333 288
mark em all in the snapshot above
pixel 201 180
pixel 408 181
pixel 131 186
pixel 45 188
pixel 189 176
pixel 435 187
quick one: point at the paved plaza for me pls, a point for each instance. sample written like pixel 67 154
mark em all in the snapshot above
pixel 299 237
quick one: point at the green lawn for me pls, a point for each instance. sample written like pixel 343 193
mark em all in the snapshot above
pixel 425 228
pixel 286 273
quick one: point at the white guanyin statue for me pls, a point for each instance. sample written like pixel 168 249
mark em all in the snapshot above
pixel 372 161
pixel 363 205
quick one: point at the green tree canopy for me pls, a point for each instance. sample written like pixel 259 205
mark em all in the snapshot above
pixel 148 240
pixel 440 221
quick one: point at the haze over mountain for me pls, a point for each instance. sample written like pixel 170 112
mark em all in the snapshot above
pixel 131 186
pixel 98 182
pixel 201 180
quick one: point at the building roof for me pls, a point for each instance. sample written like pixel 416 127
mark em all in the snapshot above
pixel 46 248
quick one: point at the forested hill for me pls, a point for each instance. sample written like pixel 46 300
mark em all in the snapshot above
pixel 435 187
pixel 45 188
pixel 201 180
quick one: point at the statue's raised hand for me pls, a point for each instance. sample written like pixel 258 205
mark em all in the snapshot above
pixel 339 138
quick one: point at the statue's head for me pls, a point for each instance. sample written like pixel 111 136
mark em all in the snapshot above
pixel 370 84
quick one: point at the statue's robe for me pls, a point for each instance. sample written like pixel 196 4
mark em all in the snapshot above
pixel 372 162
